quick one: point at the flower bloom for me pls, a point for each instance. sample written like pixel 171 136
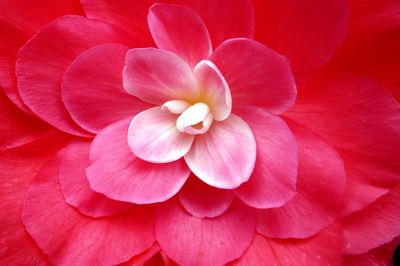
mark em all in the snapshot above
pixel 199 132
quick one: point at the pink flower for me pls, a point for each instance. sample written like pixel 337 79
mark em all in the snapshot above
pixel 199 132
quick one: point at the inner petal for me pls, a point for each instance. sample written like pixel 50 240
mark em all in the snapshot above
pixel 195 120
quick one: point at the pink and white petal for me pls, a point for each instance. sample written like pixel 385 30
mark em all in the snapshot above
pixel 362 121
pixel 214 89
pixel 380 256
pixel 128 15
pixel 202 200
pixel 215 157
pixel 19 167
pixel 157 76
pixel 16 127
pixel 307 32
pixel 375 225
pixel 17 26
pixel 92 88
pixel 256 75
pixel 227 19
pixel 321 178
pixel 274 178
pixel 180 30
pixel 59 43
pixel 75 186
pixel 117 173
pixel 207 241
pixel 325 248
pixel 153 136
pixel 63 233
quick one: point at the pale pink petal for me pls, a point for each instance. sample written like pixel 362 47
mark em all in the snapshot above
pixel 75 186
pixel 193 241
pixel 181 31
pixel 153 136
pixel 44 59
pixel 273 181
pixel 92 88
pixel 116 172
pixel 202 200
pixel 224 157
pixel 256 75
pixel 325 248
pixel 320 188
pixel 70 238
pixel 377 224
pixel 214 89
pixel 157 76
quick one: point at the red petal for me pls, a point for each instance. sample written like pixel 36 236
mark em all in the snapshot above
pixel 75 187
pixel 193 241
pixel 321 179
pixel 63 234
pixel 202 200
pixel 256 75
pixel 116 172
pixel 323 249
pixel 273 181
pixel 362 121
pixel 377 224
pixel 180 30
pixel 307 32
pixel 92 88
pixel 43 60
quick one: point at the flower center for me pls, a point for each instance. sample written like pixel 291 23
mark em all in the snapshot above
pixel 194 119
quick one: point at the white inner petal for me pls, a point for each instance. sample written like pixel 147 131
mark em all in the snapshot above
pixel 195 120
pixel 176 106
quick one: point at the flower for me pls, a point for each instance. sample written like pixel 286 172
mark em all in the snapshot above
pixel 196 132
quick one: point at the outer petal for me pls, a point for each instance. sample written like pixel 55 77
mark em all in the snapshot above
pixel 373 226
pixel 307 32
pixel 201 200
pixel 116 172
pixel 256 75
pixel 362 121
pixel 63 234
pixel 181 31
pixel 323 249
pixel 18 168
pixel 153 136
pixel 16 127
pixel 92 88
pixel 17 25
pixel 75 187
pixel 321 179
pixel 43 60
pixel 193 241
pixel 215 157
pixel 157 76
pixel 214 89
pixel 273 181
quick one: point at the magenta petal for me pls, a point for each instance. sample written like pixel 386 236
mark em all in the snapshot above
pixel 209 241
pixel 44 59
pixel 325 248
pixel 153 136
pixel 116 172
pixel 92 88
pixel 202 200
pixel 320 186
pixel 377 224
pixel 75 186
pixel 157 76
pixel 63 234
pixel 180 30
pixel 215 158
pixel 273 181
pixel 256 74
